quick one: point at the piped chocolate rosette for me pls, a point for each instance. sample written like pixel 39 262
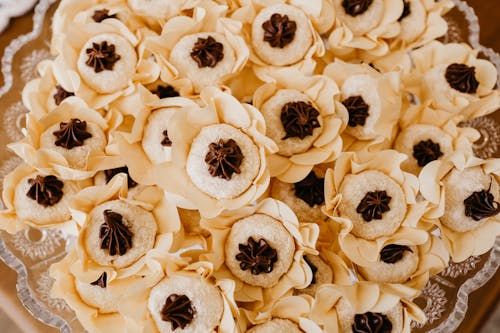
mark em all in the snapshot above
pixel 303 120
pixel 451 78
pixel 284 34
pixel 70 141
pixel 365 307
pixel 204 49
pixel 262 248
pixel 463 194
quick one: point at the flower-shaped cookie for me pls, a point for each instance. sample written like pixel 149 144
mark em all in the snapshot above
pixel 421 22
pixel 34 199
pixel 464 193
pixel 304 119
pixel 289 314
pixel 284 33
pixel 373 200
pixel 451 77
pixel 218 155
pixel 71 141
pixel 365 307
pixel 201 50
pixel 364 28
pixel 100 62
pixel 262 248
pixel 372 99
pixel 424 140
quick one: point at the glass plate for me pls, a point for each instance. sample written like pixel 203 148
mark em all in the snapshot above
pixel 31 252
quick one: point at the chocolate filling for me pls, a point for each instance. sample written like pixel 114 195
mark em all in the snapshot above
pixel 207 52
pixel 374 205
pixel 115 236
pixel 299 119
pixel 311 189
pixel 72 134
pixel 279 30
pixel 358 110
pixel 61 95
pixel 371 322
pixel 178 311
pixel 393 253
pixel 101 15
pixel 165 91
pixel 102 56
pixel 258 257
pixel 356 7
pixel 166 140
pixel 481 204
pixel 462 78
pixel 224 158
pixel 110 173
pixel 47 191
pixel 406 10
pixel 426 151
pixel 102 281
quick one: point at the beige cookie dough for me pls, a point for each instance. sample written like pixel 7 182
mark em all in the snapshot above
pixel 154 136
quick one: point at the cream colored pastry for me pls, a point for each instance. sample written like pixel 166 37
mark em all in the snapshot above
pixel 155 141
pixel 322 273
pixel 276 325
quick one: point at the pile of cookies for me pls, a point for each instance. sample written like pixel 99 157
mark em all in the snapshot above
pixel 254 165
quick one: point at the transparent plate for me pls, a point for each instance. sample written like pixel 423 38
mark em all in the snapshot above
pixel 30 253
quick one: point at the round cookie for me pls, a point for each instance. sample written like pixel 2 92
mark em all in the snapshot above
pixel 76 155
pixel 155 141
pixel 294 48
pixel 203 73
pixel 464 191
pixel 322 273
pixel 43 199
pixel 363 20
pixel 276 325
pixel 392 268
pixel 222 136
pixel 359 191
pixel 272 111
pixel 305 198
pixel 413 25
pixel 95 295
pixel 264 233
pixel 361 90
pixel 117 68
pixel 205 304
pixel 347 318
pixel 137 222
pixel 422 144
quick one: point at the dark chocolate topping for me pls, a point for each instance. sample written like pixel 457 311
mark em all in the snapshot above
pixel 356 7
pixel 207 52
pixel 406 10
pixel 166 140
pixel 279 31
pixel 61 95
pixel 373 205
pixel 178 310
pixel 47 191
pixel 115 236
pixel 224 158
pixel 165 91
pixel 72 134
pixel 481 204
pixel 426 151
pixel 110 173
pixel 314 269
pixel 311 189
pixel 358 110
pixel 102 281
pixel 259 256
pixel 102 56
pixel 101 15
pixel 462 78
pixel 393 253
pixel 371 322
pixel 299 119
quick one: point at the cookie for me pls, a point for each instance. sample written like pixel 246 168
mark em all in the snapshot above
pixel 96 294
pixel 322 273
pixel 276 325
pixel 155 141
